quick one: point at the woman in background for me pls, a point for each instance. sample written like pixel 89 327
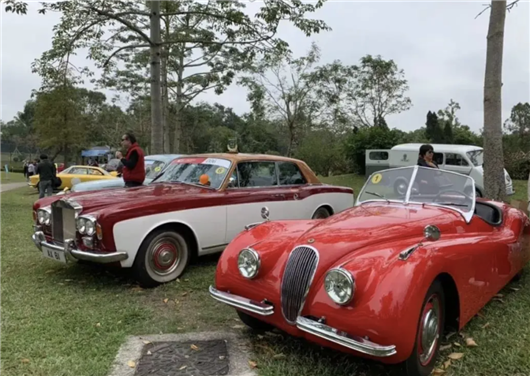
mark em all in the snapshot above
pixel 426 156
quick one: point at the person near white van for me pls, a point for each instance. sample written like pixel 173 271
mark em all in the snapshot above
pixel 425 156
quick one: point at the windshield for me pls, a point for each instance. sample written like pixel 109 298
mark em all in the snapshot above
pixel 476 156
pixel 417 184
pixel 207 172
pixel 153 168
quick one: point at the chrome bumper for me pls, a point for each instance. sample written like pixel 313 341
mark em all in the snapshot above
pixel 259 308
pixel 71 252
pixel 309 326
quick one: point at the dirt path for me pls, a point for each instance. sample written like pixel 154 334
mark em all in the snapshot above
pixel 10 186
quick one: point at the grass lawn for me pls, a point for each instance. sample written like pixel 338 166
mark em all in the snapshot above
pixel 71 321
pixel 12 177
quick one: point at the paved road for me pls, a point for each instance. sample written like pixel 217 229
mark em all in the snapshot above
pixel 10 186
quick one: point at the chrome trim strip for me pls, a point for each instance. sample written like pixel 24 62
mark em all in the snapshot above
pixel 236 301
pixel 342 338
pixel 68 248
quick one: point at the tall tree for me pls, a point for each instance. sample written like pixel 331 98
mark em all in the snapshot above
pixel 280 88
pixel 432 128
pixel 84 21
pixel 519 120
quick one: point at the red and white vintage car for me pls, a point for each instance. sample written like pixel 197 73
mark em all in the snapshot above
pixel 384 278
pixel 196 207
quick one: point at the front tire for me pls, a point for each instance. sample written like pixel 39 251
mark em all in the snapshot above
pixel 321 213
pixel 162 257
pixel 430 328
pixel 253 323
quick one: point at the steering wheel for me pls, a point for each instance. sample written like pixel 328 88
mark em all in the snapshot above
pixel 451 190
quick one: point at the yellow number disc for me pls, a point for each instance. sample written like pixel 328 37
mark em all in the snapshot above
pixel 220 170
pixel 376 179
pixel 157 169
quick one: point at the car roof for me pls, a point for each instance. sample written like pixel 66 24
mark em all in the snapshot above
pixel 441 148
pixel 238 157
pixel 163 157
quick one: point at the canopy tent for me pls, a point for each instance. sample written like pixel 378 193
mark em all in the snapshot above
pixel 98 151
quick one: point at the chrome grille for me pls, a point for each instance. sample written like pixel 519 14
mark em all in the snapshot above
pixel 296 281
pixel 63 221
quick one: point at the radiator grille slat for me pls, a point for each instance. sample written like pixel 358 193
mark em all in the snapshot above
pixel 297 278
pixel 63 221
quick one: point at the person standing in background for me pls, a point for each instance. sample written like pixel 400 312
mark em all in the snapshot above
pixel 31 169
pixel 47 175
pixel 133 163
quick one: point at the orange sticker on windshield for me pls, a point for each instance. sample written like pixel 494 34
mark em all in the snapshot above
pixel 376 179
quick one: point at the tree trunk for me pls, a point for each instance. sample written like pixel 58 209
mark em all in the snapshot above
pixel 157 132
pixel 165 101
pixel 494 181
pixel 179 100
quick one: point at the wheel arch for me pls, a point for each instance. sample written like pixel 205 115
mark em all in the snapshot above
pixel 184 229
pixel 452 301
pixel 326 206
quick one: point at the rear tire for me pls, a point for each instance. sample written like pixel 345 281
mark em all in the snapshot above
pixel 321 213
pixel 253 323
pixel 430 328
pixel 162 257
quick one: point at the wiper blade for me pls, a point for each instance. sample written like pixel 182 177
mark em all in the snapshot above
pixel 451 204
pixel 378 195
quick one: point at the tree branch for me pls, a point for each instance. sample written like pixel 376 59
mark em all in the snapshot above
pixel 488 6
pixel 124 48
pixel 123 22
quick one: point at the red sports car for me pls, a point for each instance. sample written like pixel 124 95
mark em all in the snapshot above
pixel 385 278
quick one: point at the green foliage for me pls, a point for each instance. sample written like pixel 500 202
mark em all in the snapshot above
pixel 433 130
pixel 371 138
pixel 322 150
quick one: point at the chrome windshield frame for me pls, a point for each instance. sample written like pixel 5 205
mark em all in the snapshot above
pixel 406 201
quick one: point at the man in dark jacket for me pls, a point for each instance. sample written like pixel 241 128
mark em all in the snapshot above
pixel 133 163
pixel 47 174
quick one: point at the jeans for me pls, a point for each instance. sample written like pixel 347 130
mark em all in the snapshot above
pixel 133 184
pixel 45 188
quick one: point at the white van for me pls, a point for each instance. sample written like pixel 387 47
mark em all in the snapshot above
pixel 464 159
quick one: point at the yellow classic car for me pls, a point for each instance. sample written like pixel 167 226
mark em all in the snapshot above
pixel 77 174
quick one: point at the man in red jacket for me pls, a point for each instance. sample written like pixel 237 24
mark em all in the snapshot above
pixel 133 163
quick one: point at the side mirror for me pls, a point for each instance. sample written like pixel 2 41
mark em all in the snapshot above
pixel 232 183
pixel 265 213
pixel 431 232
pixel 114 173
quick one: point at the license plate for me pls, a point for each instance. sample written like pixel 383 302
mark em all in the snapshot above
pixel 54 254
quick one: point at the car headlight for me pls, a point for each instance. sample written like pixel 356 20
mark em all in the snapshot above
pixel 44 216
pixel 340 286
pixel 86 225
pixel 248 263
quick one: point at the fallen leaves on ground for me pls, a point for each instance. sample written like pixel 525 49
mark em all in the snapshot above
pixel 166 300
pixel 183 367
pixel 470 342
pixel 137 288
pixel 222 357
pixel 149 352
pixel 457 344
pixel 147 342
pixel 98 325
pixel 193 347
pixel 252 364
pixel 455 356
pixel 445 347
pixel 131 364
pixel 238 327
pixel 486 325
pixel 438 371
pixel 184 293
pixel 499 295
pixel 514 289
pixel 447 363
pixel 25 360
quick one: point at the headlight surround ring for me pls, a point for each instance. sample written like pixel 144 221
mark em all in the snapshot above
pixel 86 225
pixel 248 263
pixel 44 216
pixel 339 285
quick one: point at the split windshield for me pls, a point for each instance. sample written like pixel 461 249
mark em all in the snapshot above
pixel 206 172
pixel 424 185
pixel 153 168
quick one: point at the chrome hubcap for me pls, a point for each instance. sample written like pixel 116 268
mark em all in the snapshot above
pixel 164 257
pixel 429 334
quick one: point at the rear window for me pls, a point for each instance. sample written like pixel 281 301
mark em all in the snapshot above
pixel 378 155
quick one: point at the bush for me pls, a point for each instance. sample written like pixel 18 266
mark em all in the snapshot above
pixel 517 164
pixel 322 150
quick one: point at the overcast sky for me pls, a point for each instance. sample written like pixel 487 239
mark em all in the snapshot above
pixel 440 46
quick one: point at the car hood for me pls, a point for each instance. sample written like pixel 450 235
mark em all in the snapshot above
pixel 167 196
pixel 98 184
pixel 360 232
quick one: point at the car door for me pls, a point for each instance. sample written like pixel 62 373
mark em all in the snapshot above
pixel 296 189
pixel 255 185
pixel 457 163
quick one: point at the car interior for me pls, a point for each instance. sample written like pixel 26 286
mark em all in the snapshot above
pixel 490 213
